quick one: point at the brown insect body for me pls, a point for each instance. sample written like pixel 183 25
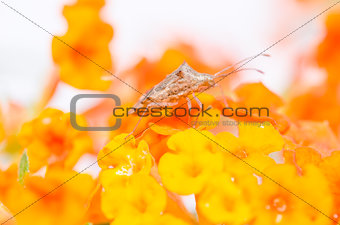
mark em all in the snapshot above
pixel 179 84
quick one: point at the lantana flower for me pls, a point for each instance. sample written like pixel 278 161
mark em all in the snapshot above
pixel 252 138
pixel 318 135
pixel 328 55
pixel 330 168
pixel 192 161
pixel 277 205
pixel 83 54
pixel 50 139
pixel 320 102
pixel 148 73
pixel 222 201
pixel 136 199
pixel 66 206
pixel 263 104
pixel 124 156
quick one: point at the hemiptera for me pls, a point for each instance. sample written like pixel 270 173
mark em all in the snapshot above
pixel 180 84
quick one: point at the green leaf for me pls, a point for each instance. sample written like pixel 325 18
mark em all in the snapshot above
pixel 23 167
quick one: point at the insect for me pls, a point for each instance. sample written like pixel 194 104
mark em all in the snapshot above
pixel 180 84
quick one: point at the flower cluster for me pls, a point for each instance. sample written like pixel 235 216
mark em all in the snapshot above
pixel 279 169
pixel 87 38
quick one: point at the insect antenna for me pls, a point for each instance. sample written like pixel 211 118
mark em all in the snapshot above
pixel 227 74
pixel 238 63
pixel 242 69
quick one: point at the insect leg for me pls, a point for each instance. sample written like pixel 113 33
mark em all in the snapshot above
pixel 197 100
pixel 189 103
pixel 222 92
pixel 134 129
pixel 189 108
pixel 200 105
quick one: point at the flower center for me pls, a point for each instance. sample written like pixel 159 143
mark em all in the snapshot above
pixel 241 153
pixel 193 170
pixel 279 204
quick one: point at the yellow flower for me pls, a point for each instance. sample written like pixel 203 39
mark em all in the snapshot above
pixel 187 174
pixel 195 161
pixel 192 142
pixel 136 199
pixel 223 202
pixel 254 164
pixel 168 219
pixel 260 138
pixel 51 140
pixel 330 167
pixel 85 56
pixel 275 205
pixel 125 156
pixel 113 193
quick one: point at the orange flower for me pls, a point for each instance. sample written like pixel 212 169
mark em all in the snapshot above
pixel 124 156
pixel 257 97
pixel 156 130
pixel 94 213
pixel 313 134
pixel 66 205
pixel 51 140
pixel 8 182
pixel 5 214
pixel 330 167
pixel 317 104
pixel 171 124
pixel 321 102
pixel 149 73
pixel 328 55
pixel 302 156
pixel 85 56
pixel 275 205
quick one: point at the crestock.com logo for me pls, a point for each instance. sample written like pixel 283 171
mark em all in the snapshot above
pixel 73 110
pixel 119 112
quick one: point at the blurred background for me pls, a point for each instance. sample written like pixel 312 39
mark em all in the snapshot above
pixel 218 30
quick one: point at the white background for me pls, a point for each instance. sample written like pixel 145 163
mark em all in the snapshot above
pixel 234 29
